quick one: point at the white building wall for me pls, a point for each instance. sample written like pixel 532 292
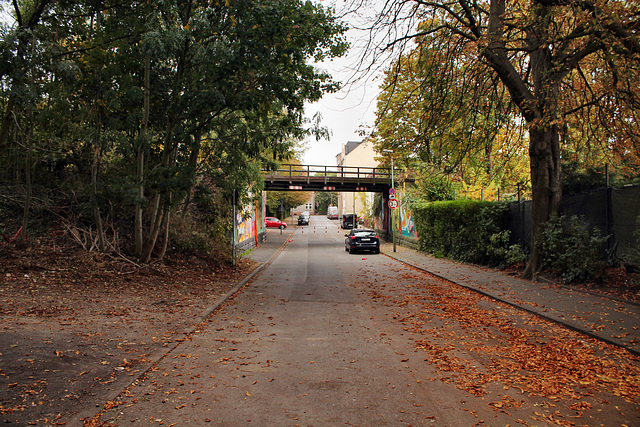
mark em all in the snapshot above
pixel 309 206
pixel 356 154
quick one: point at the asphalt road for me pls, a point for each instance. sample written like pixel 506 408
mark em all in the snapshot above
pixel 324 338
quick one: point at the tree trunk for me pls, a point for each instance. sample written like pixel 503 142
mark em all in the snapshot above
pixel 546 185
pixel 153 237
pixel 163 206
pixel 544 135
pixel 169 156
pixel 165 243
pixel 97 217
pixel 193 165
pixel 97 159
pixel 539 107
pixel 22 233
pixel 6 123
pixel 140 164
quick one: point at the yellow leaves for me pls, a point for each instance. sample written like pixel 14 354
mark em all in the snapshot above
pixel 580 406
pixel 186 356
pixel 531 357
pixel 4 410
pixel 555 419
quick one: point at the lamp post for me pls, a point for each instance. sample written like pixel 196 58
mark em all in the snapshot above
pixel 393 185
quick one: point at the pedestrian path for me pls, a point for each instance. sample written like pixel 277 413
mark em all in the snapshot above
pixel 614 321
pixel 274 241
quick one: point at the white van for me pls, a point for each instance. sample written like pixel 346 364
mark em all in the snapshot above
pixel 332 212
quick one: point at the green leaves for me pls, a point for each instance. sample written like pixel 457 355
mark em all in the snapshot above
pixel 570 248
pixel 165 93
pixel 466 230
pixel 444 117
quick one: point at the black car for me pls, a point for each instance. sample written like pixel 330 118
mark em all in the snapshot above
pixel 303 220
pixel 347 221
pixel 362 239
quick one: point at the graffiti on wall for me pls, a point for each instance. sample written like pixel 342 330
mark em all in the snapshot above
pixel 405 217
pixel 250 221
pixel 406 222
pixel 246 227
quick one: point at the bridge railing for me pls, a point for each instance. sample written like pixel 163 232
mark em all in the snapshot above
pixel 315 172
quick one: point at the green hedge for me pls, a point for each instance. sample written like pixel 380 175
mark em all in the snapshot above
pixel 466 230
pixel 572 249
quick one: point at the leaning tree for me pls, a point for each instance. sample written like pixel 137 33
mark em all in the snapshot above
pixel 555 58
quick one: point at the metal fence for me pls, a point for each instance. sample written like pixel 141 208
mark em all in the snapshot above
pixel 614 211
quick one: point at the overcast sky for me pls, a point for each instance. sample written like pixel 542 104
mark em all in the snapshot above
pixel 343 113
pixel 352 108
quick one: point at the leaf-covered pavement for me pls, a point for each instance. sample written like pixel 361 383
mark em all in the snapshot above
pixel 492 361
pixel 78 327
pixel 569 372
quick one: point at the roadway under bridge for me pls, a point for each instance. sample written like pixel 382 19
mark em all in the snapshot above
pixel 331 178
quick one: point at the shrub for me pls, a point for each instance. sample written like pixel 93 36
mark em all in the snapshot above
pixel 190 237
pixel 570 248
pixel 466 230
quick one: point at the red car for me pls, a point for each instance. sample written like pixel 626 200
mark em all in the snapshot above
pixel 274 223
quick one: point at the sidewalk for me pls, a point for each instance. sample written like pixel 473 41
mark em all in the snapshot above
pixel 272 245
pixel 263 254
pixel 613 321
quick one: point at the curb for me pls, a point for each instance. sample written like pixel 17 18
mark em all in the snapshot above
pixel 536 313
pixel 222 299
pixel 95 416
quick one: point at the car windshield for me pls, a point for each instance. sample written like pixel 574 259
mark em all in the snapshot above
pixel 363 233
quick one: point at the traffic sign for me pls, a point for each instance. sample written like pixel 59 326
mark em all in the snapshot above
pixel 393 203
pixel 392 191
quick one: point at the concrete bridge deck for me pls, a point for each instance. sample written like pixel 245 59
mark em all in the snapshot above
pixel 291 177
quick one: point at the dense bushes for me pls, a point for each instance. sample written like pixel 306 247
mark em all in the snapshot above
pixel 476 232
pixel 572 250
pixel 466 230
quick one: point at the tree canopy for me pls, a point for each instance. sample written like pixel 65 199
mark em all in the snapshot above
pixel 136 103
pixel 567 67
pixel 436 126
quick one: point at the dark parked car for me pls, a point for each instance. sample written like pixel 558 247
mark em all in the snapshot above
pixel 347 221
pixel 274 223
pixel 362 239
pixel 303 219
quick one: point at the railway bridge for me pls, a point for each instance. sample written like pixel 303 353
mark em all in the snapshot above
pixel 291 177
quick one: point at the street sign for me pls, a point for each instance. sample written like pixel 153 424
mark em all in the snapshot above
pixel 393 203
pixel 392 191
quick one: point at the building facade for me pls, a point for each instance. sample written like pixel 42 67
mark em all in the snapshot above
pixel 309 206
pixel 356 154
